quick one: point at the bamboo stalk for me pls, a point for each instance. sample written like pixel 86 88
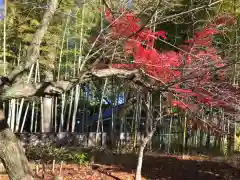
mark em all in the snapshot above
pixel 169 133
pixel 13 114
pixel 82 63
pixel 41 102
pixel 62 111
pixel 80 66
pixel 4 37
pixel 24 119
pixel 35 125
pixel 75 108
pixel 70 109
pixel 32 117
pixel 63 100
pixel 55 114
pixel 42 114
pixel 72 91
pixel 113 103
pixel 61 50
pixel 19 113
pixel 184 132
pixel 100 110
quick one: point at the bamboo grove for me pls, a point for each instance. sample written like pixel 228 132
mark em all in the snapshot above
pixel 73 78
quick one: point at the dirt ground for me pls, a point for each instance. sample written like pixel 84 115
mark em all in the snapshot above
pixel 162 167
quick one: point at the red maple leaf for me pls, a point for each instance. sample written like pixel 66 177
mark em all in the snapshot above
pixel 197 60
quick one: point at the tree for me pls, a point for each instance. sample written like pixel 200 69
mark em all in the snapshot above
pixel 186 75
pixel 12 154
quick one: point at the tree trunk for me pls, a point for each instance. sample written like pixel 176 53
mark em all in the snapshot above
pixel 142 147
pixel 12 154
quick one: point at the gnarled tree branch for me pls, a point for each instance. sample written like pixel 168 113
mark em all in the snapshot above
pixel 34 49
pixel 12 155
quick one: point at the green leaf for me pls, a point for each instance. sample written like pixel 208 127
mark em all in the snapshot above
pixel 34 22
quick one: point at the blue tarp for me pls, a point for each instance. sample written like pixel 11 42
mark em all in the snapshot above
pixel 107 113
pixel 88 94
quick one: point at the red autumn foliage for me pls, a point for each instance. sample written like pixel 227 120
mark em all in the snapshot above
pixel 194 65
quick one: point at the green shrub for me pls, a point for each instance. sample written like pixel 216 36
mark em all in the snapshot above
pixel 49 153
pixel 80 158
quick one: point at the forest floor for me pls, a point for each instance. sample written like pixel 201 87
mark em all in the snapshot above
pixel 155 166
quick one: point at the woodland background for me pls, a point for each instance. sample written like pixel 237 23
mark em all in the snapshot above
pixel 121 76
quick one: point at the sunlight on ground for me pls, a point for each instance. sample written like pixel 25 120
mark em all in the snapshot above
pixel 167 166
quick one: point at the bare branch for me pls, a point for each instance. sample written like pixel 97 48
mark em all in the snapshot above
pixel 113 72
pixel 26 90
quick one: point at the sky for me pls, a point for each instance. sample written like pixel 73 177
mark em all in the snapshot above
pixel 1 9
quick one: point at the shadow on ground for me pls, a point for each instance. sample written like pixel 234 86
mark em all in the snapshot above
pixel 172 168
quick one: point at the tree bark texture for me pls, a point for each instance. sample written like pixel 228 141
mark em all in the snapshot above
pixel 12 154
pixel 147 138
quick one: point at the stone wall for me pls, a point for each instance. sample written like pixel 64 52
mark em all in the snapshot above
pixel 62 139
pixel 73 139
